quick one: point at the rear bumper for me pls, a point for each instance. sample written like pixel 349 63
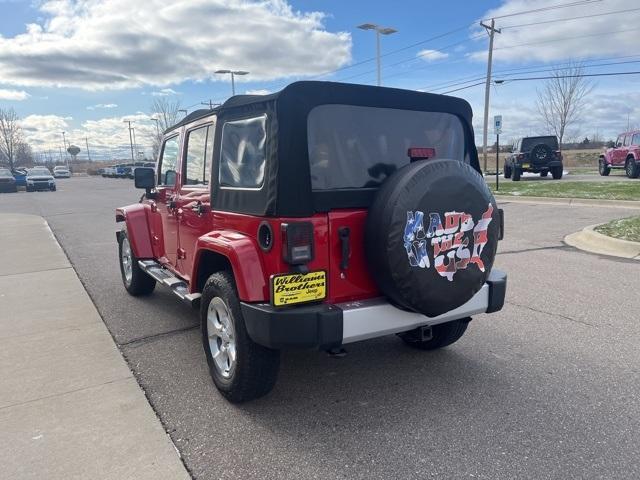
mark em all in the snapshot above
pixel 540 166
pixel 327 326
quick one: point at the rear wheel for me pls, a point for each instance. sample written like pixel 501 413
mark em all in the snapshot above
pixel 516 174
pixel 556 172
pixel 135 280
pixel 507 171
pixel 443 335
pixel 632 168
pixel 603 168
pixel 241 369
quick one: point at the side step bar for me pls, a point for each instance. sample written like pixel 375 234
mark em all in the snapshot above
pixel 165 277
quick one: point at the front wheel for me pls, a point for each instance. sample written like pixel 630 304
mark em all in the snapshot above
pixel 556 172
pixel 507 171
pixel 442 335
pixel 135 280
pixel 603 168
pixel 241 369
pixel 632 168
pixel 516 174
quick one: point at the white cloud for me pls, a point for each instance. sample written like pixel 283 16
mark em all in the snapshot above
pixel 429 55
pixel 108 137
pixel 114 44
pixel 165 92
pixel 14 95
pixel 102 105
pixel 536 40
pixel 260 91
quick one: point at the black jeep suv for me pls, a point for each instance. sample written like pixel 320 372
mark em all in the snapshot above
pixel 534 154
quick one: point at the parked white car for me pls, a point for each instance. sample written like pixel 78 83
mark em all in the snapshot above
pixel 40 178
pixel 61 172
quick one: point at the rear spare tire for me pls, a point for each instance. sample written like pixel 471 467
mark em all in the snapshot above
pixel 431 236
pixel 541 153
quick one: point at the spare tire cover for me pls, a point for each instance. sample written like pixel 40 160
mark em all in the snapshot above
pixel 541 152
pixel 431 235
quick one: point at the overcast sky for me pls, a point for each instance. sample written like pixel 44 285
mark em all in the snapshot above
pixel 83 66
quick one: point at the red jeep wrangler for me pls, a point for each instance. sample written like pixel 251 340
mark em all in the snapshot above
pixel 318 216
pixel 624 154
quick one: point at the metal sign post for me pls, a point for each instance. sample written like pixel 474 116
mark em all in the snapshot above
pixel 497 126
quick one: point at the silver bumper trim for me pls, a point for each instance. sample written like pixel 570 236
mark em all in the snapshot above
pixel 377 317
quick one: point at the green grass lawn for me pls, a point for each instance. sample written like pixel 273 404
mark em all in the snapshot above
pixel 565 189
pixel 625 229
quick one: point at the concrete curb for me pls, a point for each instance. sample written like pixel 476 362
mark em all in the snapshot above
pixel 591 241
pixel 70 407
pixel 577 202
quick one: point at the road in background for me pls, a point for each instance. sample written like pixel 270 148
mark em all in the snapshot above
pixel 547 388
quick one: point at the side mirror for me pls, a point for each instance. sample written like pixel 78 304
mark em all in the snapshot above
pixel 145 177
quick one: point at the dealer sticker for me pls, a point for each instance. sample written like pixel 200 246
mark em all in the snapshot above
pixel 293 288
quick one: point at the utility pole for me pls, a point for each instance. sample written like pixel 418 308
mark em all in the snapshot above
pixel 130 139
pixel 491 30
pixel 86 140
pixel 64 142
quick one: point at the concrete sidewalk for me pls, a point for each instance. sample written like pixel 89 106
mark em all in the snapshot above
pixel 70 407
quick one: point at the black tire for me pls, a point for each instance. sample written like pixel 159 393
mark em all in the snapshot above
pixel 29 189
pixel 603 169
pixel 255 370
pixel 631 168
pixel 53 189
pixel 544 173
pixel 517 172
pixel 556 172
pixel 443 335
pixel 413 265
pixel 138 283
pixel 507 171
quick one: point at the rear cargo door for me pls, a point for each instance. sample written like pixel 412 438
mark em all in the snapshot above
pixel 349 277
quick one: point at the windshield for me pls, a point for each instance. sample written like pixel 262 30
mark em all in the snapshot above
pixel 39 171
pixel 358 147
pixel 530 142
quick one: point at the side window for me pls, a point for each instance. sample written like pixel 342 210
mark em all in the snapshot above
pixel 636 139
pixel 169 161
pixel 619 141
pixel 198 156
pixel 627 140
pixel 242 153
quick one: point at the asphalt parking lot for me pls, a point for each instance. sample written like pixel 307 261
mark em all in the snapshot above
pixel 546 388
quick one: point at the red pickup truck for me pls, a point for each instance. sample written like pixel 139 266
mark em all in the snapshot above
pixel 314 217
pixel 624 154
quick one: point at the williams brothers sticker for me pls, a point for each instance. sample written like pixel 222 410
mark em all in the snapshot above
pixel 292 288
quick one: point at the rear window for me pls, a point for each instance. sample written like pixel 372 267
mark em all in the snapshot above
pixel 359 147
pixel 530 142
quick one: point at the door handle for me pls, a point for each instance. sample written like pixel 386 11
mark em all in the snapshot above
pixel 343 233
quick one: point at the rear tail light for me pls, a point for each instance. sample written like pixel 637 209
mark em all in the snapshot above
pixel 297 242
pixel 521 156
pixel 558 154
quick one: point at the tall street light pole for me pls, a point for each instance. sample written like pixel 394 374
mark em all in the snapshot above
pixel 86 140
pixel 379 31
pixel 130 139
pixel 491 30
pixel 233 77
pixel 64 142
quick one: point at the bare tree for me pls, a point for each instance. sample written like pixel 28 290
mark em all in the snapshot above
pixel 166 112
pixel 23 155
pixel 10 136
pixel 562 100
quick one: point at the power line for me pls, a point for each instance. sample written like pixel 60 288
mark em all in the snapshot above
pixel 607 74
pixel 572 18
pixel 567 38
pixel 545 9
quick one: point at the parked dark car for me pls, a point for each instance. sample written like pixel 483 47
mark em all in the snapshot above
pixel 40 178
pixel 534 154
pixel 7 182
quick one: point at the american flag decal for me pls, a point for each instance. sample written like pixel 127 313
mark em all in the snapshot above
pixel 450 241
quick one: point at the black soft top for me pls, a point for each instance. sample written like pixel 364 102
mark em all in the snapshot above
pixel 287 186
